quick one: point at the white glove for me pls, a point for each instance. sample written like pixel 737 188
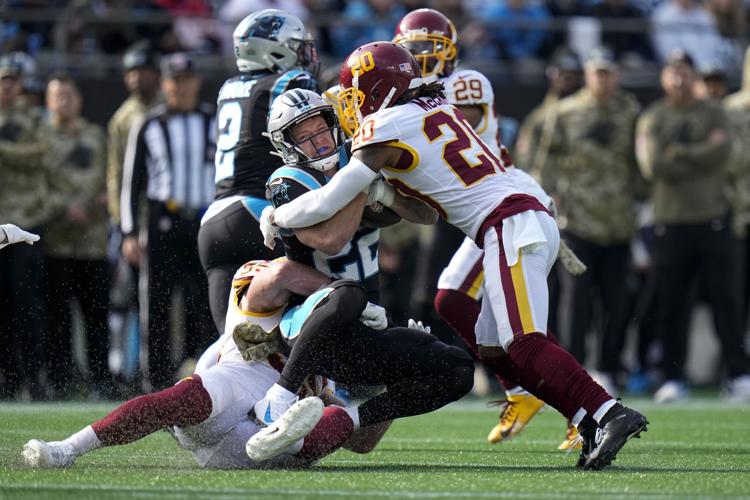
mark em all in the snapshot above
pixel 14 234
pixel 417 325
pixel 270 231
pixel 374 316
pixel 381 192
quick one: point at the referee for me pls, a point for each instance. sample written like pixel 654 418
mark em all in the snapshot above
pixel 169 161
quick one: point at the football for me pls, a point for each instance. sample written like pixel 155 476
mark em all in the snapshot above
pixel 377 215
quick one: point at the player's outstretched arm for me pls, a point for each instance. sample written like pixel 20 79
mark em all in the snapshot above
pixel 331 235
pixel 321 204
pixel 270 289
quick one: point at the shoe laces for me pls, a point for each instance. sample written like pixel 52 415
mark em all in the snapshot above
pixel 509 412
pixel 573 443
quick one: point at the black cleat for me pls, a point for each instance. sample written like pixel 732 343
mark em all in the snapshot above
pixel 589 442
pixel 621 427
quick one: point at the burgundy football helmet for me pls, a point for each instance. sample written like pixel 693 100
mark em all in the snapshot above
pixel 372 78
pixel 431 38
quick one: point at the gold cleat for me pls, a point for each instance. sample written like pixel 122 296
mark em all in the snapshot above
pixel 517 411
pixel 572 441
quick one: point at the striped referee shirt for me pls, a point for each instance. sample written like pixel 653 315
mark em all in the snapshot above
pixel 171 154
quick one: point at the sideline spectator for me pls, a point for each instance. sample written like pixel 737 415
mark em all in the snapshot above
pixel 24 200
pixel 594 176
pixel 683 147
pixel 75 243
pixel 686 25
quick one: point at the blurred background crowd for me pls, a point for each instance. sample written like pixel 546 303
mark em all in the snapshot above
pixel 652 183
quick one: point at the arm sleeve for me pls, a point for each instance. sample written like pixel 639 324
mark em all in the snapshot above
pixel 134 172
pixel 321 204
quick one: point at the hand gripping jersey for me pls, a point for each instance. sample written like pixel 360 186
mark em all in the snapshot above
pixel 444 163
pixel 243 162
pixel 358 260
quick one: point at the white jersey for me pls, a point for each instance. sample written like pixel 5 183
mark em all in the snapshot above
pixel 468 87
pixel 444 163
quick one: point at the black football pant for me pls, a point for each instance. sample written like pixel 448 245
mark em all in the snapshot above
pixel 420 373
pixel 20 328
pixel 682 254
pixel 603 283
pixel 87 281
pixel 226 242
pixel 172 260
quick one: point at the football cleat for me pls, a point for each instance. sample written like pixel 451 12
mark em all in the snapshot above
pixel 626 424
pixel 42 455
pixel 671 391
pixel 517 411
pixel 573 440
pixel 588 444
pixel 293 425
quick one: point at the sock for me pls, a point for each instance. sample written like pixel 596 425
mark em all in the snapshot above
pixel 186 403
pixel 578 417
pixel 606 411
pixel 516 391
pixel 333 429
pixel 84 441
pixel 559 370
pixel 461 313
pixel 353 412
pixel 278 393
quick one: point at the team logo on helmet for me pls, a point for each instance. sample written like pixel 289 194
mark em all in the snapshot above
pixel 266 27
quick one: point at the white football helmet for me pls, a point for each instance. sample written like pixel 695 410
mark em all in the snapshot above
pixel 274 40
pixel 291 108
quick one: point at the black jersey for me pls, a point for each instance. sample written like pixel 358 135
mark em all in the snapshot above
pixel 243 160
pixel 358 260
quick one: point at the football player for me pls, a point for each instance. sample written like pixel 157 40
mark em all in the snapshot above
pixel 432 39
pixel 274 53
pixel 208 411
pixel 425 148
pixel 305 133
pixel 420 372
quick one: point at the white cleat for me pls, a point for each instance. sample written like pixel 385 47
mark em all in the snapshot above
pixel 738 390
pixel 42 455
pixel 293 425
pixel 267 410
pixel 672 391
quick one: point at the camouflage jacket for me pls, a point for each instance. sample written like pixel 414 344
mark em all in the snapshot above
pixel 24 180
pixel 591 168
pixel 687 168
pixel 737 107
pixel 528 153
pixel 129 112
pixel 78 177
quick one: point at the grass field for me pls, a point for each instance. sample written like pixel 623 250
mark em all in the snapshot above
pixel 699 449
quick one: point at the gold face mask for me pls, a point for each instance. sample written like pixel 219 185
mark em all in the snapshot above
pixel 431 51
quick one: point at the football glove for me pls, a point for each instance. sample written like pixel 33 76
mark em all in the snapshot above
pixel 381 192
pixel 374 316
pixel 418 325
pixel 254 343
pixel 269 229
pixel 10 234
pixel 570 260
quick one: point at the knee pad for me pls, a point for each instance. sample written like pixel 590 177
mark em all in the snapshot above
pixel 348 296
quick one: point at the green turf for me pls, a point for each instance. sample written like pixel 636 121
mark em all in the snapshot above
pixel 695 450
